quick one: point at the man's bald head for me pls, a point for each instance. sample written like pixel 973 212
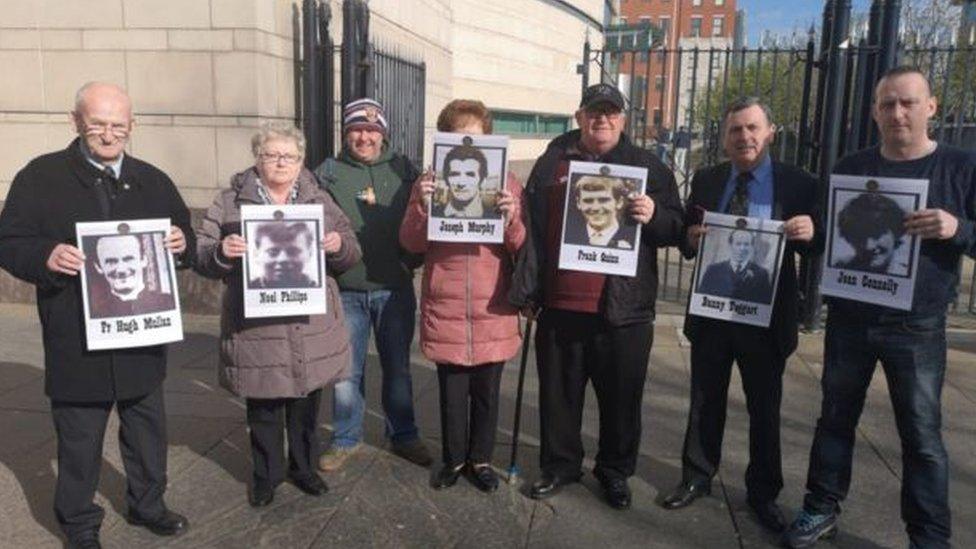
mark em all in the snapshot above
pixel 904 70
pixel 103 119
pixel 96 92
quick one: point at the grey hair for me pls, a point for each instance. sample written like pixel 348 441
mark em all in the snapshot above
pixel 83 91
pixel 746 102
pixel 274 130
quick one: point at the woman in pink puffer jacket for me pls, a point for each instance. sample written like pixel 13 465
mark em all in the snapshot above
pixel 467 326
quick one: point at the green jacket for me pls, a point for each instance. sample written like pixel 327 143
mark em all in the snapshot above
pixel 384 264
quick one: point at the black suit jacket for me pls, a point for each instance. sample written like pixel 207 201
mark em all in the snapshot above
pixel 751 284
pixel 794 193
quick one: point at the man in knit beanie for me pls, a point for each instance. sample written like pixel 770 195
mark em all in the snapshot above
pixel 371 184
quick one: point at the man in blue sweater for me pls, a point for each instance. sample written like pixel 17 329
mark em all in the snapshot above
pixel 909 344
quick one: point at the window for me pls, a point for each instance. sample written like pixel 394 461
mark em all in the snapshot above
pixel 659 82
pixel 718 25
pixel 644 20
pixel 719 2
pixel 696 2
pixel 642 56
pixel 528 123
pixel 623 19
pixel 696 26
pixel 657 117
pixel 665 24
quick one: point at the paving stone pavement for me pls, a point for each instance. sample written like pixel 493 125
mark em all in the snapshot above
pixel 379 500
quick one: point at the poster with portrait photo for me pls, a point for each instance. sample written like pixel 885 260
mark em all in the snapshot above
pixel 284 266
pixel 469 172
pixel 597 235
pixel 870 258
pixel 737 269
pixel 128 284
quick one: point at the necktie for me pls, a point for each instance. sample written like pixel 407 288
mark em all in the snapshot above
pixel 104 191
pixel 739 204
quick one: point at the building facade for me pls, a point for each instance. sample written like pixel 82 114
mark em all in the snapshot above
pixel 204 74
pixel 661 77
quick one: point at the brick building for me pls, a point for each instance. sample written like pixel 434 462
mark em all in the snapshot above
pixel 684 25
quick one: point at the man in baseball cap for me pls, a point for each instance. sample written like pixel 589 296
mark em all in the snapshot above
pixel 594 327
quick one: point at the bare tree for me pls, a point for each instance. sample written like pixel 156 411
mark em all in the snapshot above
pixel 929 23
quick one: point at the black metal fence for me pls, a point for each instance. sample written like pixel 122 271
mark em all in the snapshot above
pixel 676 98
pixel 397 82
pixel 399 85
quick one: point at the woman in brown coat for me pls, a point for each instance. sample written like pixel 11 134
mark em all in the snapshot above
pixel 279 365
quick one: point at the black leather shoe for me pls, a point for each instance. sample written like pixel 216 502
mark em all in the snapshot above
pixel 616 491
pixel 769 515
pixel 550 485
pixel 85 543
pixel 684 494
pixel 168 524
pixel 261 497
pixel 312 485
pixel 483 477
pixel 446 477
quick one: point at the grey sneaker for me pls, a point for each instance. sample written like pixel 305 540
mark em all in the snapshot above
pixel 807 528
pixel 334 458
pixel 414 451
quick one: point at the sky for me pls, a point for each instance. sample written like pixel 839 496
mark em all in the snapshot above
pixel 783 15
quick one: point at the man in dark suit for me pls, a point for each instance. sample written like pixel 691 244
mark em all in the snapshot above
pixel 93 179
pixel 598 219
pixel 738 277
pixel 750 185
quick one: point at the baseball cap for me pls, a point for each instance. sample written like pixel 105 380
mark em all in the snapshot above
pixel 602 93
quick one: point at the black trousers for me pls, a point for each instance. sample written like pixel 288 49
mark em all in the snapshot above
pixel 267 419
pixel 571 349
pixel 80 431
pixel 761 367
pixel 469 411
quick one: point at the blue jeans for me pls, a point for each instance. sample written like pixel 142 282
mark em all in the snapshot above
pixel 912 351
pixel 391 314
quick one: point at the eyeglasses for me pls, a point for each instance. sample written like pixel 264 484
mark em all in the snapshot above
pixel 602 110
pixel 274 158
pixel 118 130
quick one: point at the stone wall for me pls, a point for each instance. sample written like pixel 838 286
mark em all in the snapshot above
pixel 204 74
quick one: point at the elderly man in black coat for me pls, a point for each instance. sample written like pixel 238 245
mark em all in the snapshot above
pixel 94 180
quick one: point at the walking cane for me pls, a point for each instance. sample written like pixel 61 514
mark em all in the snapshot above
pixel 513 470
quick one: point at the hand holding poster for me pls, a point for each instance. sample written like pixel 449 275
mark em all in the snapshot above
pixel 284 267
pixel 870 257
pixel 129 289
pixel 737 269
pixel 598 236
pixel 470 171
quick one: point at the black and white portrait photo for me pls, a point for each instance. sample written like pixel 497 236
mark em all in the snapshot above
pixel 870 256
pixel 129 284
pixel 125 275
pixel 470 172
pixel 871 231
pixel 283 254
pixel 741 275
pixel 284 265
pixel 598 213
pixel 597 233
pixel 737 269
